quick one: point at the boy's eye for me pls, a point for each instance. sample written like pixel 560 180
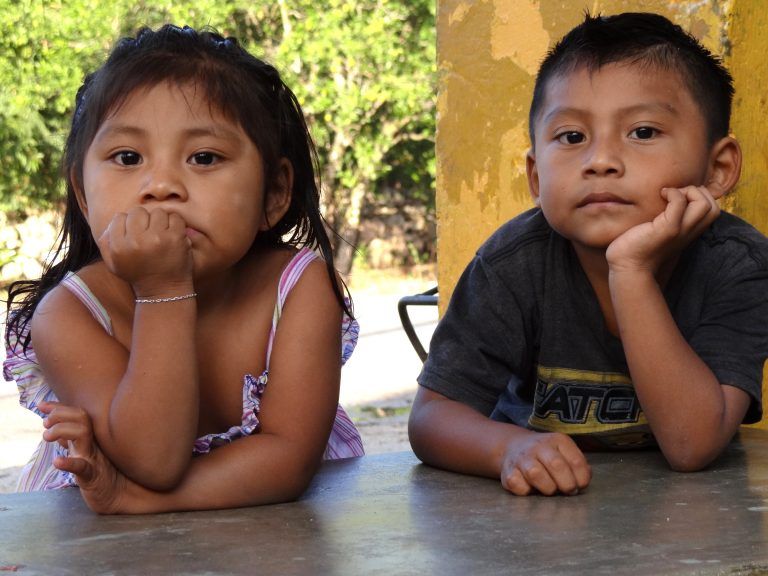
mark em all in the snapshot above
pixel 126 158
pixel 204 158
pixel 643 133
pixel 571 137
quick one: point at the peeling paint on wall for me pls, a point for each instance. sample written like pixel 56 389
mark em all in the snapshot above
pixel 517 33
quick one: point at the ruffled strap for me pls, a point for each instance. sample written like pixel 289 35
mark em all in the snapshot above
pixel 288 279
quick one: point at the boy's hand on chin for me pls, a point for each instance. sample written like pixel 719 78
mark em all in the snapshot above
pixel 645 247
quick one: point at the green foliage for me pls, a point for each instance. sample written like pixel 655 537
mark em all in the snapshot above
pixel 364 72
pixel 362 69
pixel 44 51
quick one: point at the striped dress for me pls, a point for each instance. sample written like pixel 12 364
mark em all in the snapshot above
pixel 39 473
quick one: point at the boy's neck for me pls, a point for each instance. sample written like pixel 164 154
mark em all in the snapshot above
pixel 595 266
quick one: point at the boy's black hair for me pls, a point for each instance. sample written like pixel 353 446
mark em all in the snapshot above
pixel 648 40
pixel 242 87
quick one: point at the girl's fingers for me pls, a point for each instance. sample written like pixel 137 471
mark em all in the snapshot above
pixel 137 221
pixel 61 413
pixel 158 220
pixel 80 467
pixel 72 436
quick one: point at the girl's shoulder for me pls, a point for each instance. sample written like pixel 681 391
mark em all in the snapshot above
pixel 280 266
pixel 92 293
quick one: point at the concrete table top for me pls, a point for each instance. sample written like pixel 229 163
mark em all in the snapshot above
pixel 391 515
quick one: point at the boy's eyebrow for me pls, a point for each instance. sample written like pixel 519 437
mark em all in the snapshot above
pixel 665 107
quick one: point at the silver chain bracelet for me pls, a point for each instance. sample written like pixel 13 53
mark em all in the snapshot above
pixel 159 300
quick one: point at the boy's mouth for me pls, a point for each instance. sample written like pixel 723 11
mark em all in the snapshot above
pixel 601 198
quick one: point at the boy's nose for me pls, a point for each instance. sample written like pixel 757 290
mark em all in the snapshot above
pixel 603 159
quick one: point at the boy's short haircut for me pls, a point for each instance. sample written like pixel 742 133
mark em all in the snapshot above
pixel 650 41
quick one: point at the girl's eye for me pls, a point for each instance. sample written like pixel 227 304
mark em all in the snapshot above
pixel 571 137
pixel 126 158
pixel 643 133
pixel 204 158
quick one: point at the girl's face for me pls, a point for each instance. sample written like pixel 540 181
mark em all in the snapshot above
pixel 166 148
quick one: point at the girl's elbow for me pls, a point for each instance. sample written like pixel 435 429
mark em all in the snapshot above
pixel 162 474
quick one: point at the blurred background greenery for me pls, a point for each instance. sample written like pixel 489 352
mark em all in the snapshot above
pixel 364 71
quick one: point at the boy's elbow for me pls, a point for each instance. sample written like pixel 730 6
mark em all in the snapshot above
pixel 418 432
pixel 689 459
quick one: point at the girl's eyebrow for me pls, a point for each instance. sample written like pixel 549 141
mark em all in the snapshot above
pixel 218 131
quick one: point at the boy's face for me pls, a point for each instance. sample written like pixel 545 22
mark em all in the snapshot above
pixel 607 142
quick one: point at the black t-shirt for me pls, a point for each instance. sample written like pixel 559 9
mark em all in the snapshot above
pixel 524 340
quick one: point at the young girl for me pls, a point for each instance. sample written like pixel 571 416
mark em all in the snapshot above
pixel 189 314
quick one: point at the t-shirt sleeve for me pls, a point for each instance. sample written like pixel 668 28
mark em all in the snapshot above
pixel 732 334
pixel 481 341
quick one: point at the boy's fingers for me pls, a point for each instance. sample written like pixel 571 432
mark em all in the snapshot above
pixel 515 483
pixel 560 472
pixel 702 208
pixel 538 475
pixel 579 466
pixel 675 210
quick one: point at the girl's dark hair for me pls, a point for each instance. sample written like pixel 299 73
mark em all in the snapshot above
pixel 244 88
pixel 649 40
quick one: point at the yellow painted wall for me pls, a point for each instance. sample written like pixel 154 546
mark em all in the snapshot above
pixel 488 54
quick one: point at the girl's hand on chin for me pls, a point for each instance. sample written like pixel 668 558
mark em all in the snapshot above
pixel 150 250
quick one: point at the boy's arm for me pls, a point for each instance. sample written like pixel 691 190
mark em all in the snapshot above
pixel 693 415
pixel 450 435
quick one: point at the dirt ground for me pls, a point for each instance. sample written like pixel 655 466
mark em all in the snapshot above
pixel 378 382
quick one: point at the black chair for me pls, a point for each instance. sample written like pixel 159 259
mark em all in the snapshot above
pixel 428 298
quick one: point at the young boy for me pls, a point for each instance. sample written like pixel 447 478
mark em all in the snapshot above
pixel 624 310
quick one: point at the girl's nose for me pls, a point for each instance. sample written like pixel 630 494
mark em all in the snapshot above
pixel 603 158
pixel 163 184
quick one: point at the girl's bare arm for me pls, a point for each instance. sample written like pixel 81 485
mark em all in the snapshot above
pixel 144 405
pixel 297 413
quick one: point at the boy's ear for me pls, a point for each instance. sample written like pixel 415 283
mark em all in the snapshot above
pixel 724 166
pixel 278 198
pixel 533 176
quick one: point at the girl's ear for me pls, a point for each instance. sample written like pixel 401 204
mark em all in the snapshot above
pixel 724 166
pixel 79 194
pixel 278 198
pixel 533 176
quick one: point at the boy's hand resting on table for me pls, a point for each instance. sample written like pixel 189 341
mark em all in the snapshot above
pixel 647 246
pixel 549 463
pixel 101 484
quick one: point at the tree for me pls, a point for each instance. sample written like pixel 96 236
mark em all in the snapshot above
pixel 364 72
pixel 44 52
